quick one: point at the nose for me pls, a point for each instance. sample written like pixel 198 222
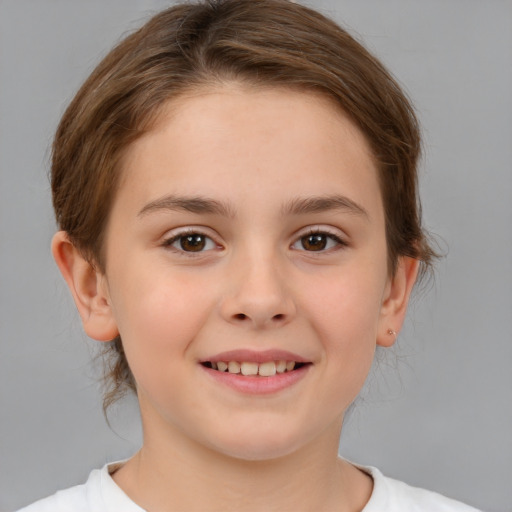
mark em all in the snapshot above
pixel 258 294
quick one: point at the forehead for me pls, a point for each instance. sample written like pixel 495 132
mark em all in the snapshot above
pixel 238 142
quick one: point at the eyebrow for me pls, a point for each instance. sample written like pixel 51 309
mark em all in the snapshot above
pixel 301 206
pixel 298 206
pixel 189 204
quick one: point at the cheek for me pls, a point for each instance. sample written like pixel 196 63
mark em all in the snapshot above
pixel 155 317
pixel 345 312
pixel 347 304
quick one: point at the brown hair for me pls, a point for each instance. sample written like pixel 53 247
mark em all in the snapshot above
pixel 258 42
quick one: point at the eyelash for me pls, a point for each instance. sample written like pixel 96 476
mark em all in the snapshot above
pixel 169 243
pixel 331 236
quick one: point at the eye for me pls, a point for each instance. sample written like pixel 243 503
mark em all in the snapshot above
pixel 191 242
pixel 318 241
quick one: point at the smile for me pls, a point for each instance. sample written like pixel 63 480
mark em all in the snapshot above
pixel 256 372
pixel 252 369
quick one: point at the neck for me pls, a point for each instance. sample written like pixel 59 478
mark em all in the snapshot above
pixel 177 474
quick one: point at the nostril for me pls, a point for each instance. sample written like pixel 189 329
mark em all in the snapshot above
pixel 242 317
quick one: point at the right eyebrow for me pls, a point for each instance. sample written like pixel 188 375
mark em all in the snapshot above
pixel 193 204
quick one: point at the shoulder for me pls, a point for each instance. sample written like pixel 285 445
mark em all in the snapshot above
pixel 395 496
pixel 100 492
pixel 72 499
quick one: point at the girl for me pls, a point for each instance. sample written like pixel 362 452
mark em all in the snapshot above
pixel 235 186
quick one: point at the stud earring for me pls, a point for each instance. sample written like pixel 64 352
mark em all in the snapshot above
pixel 391 332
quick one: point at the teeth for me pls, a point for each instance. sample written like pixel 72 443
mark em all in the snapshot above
pixel 233 367
pixel 249 368
pixel 290 365
pixel 266 369
pixel 281 366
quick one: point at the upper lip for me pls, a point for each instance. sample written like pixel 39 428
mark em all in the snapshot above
pixel 254 356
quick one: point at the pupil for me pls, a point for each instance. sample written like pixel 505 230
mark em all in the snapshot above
pixel 193 243
pixel 314 242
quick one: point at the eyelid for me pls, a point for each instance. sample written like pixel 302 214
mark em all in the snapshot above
pixel 333 233
pixel 174 235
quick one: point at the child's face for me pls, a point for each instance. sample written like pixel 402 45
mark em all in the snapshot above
pixel 282 256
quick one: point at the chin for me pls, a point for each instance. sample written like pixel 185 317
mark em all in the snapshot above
pixel 258 452
pixel 261 444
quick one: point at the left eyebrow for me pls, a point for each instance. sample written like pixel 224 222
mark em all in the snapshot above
pixel 301 206
pixel 200 205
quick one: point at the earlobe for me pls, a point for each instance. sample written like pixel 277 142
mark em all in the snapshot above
pixel 396 299
pixel 88 287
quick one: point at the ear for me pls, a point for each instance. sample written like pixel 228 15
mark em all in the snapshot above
pixel 88 287
pixel 396 299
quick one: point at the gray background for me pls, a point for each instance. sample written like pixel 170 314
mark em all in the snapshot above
pixel 437 412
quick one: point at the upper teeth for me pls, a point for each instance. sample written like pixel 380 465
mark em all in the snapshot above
pixel 266 369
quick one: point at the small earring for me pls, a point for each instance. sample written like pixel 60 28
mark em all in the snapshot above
pixel 392 333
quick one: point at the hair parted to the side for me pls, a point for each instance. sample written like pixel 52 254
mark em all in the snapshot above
pixel 261 43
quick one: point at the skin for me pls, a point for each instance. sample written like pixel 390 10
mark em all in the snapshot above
pixel 257 285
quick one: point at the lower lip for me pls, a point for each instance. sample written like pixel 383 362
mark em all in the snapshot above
pixel 258 385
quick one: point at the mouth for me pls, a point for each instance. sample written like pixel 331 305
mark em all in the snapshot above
pixel 253 372
pixel 255 369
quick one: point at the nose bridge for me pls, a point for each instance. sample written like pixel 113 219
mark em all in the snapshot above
pixel 258 292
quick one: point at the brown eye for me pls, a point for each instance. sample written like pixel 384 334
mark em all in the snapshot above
pixel 314 242
pixel 319 241
pixel 193 243
pixel 190 242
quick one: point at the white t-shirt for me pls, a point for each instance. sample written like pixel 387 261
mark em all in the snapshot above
pixel 101 494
